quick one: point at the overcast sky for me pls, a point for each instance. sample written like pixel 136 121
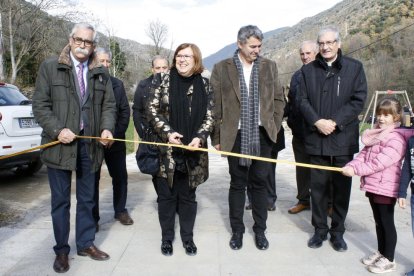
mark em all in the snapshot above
pixel 211 24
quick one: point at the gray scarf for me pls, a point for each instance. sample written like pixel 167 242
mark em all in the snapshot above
pixel 249 116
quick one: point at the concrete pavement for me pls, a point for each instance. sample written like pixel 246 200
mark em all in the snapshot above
pixel 26 247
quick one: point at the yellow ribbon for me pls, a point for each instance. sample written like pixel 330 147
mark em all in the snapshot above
pixel 29 150
pixel 264 159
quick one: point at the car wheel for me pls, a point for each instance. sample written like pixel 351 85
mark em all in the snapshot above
pixel 29 169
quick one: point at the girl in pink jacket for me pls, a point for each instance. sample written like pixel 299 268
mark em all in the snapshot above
pixel 379 165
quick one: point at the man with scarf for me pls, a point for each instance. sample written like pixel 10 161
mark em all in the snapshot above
pixel 333 89
pixel 249 107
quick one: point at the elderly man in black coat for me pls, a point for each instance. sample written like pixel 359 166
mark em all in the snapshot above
pixel 334 89
pixel 115 153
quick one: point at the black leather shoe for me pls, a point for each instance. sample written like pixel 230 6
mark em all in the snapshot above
pixel 94 253
pixel 261 241
pixel 317 240
pixel 166 248
pixel 190 248
pixel 338 243
pixel 236 241
pixel 61 264
pixel 271 207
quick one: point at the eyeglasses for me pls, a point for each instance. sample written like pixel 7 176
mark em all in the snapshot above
pixel 327 43
pixel 186 57
pixel 78 41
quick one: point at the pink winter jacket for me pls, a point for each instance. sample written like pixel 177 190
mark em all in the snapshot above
pixel 379 162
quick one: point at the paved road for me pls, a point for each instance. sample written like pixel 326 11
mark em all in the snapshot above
pixel 26 246
pixel 17 193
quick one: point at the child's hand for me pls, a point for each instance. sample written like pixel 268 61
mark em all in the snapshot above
pixel 402 202
pixel 348 171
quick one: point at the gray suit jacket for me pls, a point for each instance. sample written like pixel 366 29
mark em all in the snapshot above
pixel 226 88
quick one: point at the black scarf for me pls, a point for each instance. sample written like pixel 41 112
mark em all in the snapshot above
pixel 186 117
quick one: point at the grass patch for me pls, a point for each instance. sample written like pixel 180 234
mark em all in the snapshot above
pixel 129 135
pixel 363 127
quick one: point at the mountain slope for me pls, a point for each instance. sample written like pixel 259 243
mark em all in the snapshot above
pixel 228 50
pixel 387 26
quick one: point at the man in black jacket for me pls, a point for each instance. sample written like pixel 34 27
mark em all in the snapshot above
pixel 159 65
pixel 296 122
pixel 115 153
pixel 333 90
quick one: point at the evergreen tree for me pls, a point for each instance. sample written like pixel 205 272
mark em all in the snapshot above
pixel 118 59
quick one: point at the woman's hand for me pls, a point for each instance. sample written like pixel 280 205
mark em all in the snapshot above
pixel 348 171
pixel 175 138
pixel 195 143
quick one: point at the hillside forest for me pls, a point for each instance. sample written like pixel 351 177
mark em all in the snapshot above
pixel 380 33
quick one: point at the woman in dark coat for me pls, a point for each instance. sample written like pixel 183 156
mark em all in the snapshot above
pixel 180 112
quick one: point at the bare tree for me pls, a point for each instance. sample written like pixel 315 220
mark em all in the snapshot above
pixel 29 29
pixel 118 56
pixel 171 51
pixel 2 75
pixel 158 33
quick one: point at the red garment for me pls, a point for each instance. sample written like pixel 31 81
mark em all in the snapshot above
pixel 380 199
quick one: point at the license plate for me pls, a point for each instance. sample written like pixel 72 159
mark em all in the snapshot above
pixel 28 123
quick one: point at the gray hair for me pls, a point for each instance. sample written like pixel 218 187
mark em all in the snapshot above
pixel 248 31
pixel 313 44
pixel 101 50
pixel 84 26
pixel 159 57
pixel 330 29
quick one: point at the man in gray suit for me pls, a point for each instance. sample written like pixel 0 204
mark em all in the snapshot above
pixel 248 108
